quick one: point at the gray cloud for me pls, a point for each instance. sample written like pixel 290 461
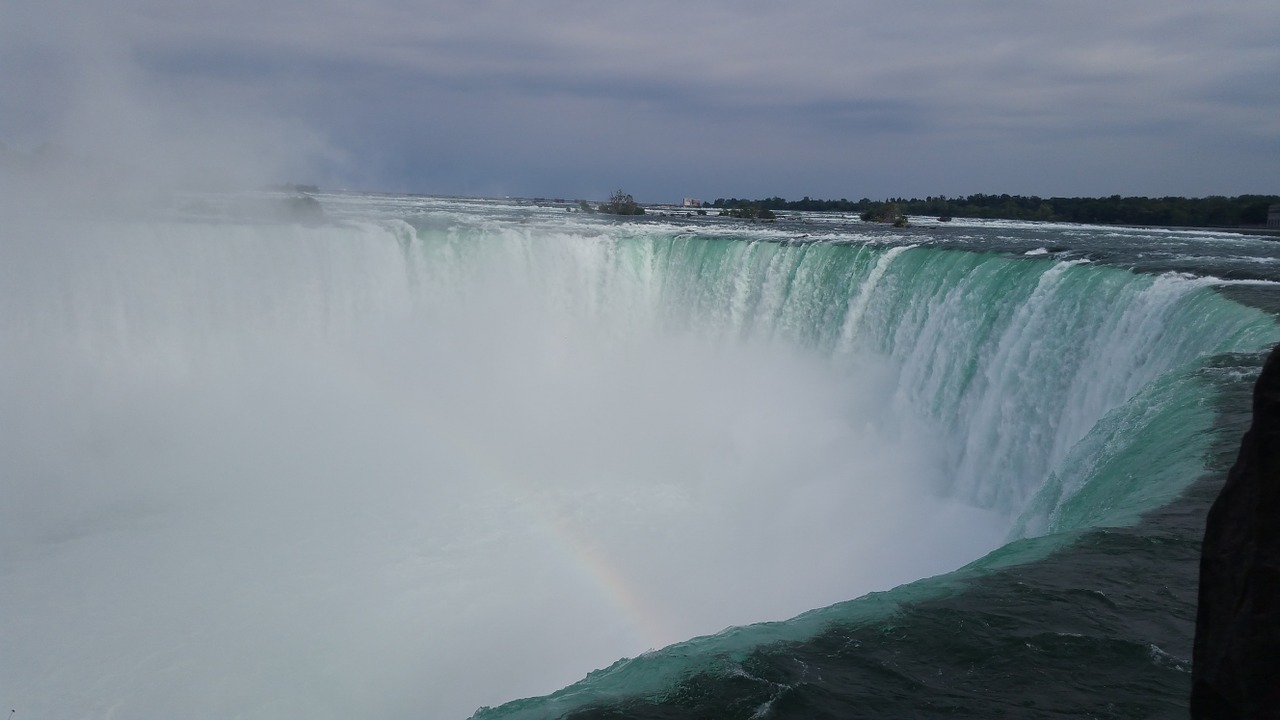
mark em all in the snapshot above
pixel 818 98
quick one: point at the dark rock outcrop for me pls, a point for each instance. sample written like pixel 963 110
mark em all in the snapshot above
pixel 1236 659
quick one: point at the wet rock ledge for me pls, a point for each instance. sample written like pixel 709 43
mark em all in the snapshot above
pixel 1236 657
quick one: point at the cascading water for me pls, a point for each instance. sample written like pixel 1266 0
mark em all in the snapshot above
pixel 399 468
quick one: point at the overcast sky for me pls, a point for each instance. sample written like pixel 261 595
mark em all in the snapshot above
pixel 664 99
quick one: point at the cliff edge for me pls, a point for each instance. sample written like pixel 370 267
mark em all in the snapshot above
pixel 1236 657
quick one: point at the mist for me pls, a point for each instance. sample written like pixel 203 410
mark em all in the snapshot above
pixel 90 131
pixel 264 469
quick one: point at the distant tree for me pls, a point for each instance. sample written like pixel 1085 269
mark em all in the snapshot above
pixel 1214 211
pixel 751 212
pixel 621 203
pixel 887 212
pixel 1254 213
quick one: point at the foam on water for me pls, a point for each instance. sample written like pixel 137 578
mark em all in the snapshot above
pixel 390 468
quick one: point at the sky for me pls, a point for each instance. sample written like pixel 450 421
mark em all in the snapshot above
pixel 563 98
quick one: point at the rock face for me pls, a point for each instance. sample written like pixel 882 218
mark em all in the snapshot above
pixel 1236 660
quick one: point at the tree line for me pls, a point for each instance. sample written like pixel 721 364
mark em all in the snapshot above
pixel 1213 211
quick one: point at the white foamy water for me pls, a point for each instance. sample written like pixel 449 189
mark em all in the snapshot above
pixel 265 470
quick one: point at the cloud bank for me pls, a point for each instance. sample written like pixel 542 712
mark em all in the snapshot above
pixel 564 98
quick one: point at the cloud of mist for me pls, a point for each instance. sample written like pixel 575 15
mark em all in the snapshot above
pixel 87 126
pixel 263 471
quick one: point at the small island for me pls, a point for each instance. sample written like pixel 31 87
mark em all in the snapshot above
pixel 751 212
pixel 621 203
pixel 885 213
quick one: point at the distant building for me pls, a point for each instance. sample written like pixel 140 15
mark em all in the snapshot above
pixel 1273 216
pixel 692 202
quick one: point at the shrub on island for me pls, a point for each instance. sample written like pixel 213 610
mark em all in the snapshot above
pixel 885 213
pixel 621 203
pixel 753 212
